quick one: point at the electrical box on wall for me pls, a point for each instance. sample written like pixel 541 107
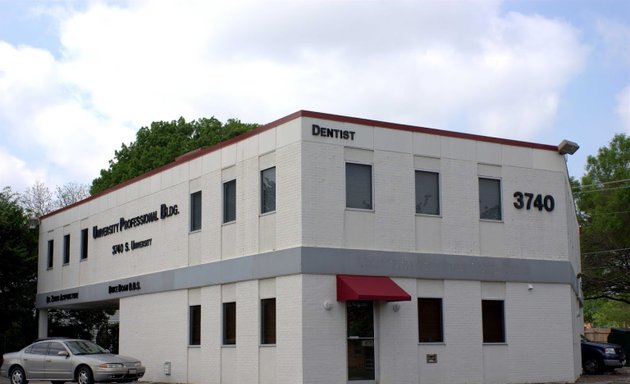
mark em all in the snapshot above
pixel 432 358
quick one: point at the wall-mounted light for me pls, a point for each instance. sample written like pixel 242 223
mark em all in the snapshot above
pixel 530 287
pixel 326 305
pixel 396 307
pixel 567 147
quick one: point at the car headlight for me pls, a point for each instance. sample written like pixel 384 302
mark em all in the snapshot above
pixel 609 351
pixel 111 365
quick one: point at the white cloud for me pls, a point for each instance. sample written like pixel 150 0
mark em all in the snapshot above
pixel 15 173
pixel 122 65
pixel 623 107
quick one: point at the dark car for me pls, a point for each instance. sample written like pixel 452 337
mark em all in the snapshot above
pixel 61 360
pixel 598 357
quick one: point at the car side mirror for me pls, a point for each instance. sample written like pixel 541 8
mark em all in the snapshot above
pixel 63 353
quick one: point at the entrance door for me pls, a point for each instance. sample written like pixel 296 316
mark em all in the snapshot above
pixel 360 331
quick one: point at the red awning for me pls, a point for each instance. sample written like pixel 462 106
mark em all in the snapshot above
pixel 351 287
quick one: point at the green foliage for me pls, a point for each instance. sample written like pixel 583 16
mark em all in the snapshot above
pixel 78 324
pixel 603 199
pixel 18 274
pixel 604 313
pixel 161 144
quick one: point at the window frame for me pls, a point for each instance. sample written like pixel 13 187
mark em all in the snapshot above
pixel 440 325
pixel 50 261
pixel 66 249
pixel 226 218
pixel 195 211
pixel 371 189
pixel 490 333
pixel 84 244
pixel 268 324
pixel 229 324
pixel 438 196
pixel 194 325
pixel 500 195
pixel 264 209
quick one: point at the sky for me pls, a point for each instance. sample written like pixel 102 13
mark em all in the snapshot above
pixel 79 78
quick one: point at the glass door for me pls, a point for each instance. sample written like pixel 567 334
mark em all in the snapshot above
pixel 360 328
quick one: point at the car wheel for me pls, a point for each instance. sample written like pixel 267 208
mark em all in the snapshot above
pixel 84 376
pixel 592 365
pixel 18 376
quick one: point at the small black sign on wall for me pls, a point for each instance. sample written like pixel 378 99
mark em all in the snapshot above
pixel 431 358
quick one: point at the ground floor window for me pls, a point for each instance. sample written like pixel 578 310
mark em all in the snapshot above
pixel 268 321
pixel 195 325
pixel 492 313
pixel 430 320
pixel 229 323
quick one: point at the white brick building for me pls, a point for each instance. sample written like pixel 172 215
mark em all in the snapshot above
pixel 328 249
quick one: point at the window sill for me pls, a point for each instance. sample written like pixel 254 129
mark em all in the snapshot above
pixel 491 221
pixel 195 231
pixel 228 223
pixel 499 344
pixel 266 213
pixel 228 346
pixel 348 209
pixel 438 216
pixel 194 346
pixel 431 343
pixel 267 345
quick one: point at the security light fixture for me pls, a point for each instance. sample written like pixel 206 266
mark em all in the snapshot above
pixel 567 147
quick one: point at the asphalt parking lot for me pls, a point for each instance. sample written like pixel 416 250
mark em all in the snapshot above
pixel 619 376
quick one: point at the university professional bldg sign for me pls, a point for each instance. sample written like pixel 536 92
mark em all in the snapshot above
pixel 259 277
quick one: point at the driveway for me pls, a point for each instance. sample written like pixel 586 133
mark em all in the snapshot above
pixel 619 376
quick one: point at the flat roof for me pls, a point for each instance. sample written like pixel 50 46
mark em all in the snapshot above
pixel 315 115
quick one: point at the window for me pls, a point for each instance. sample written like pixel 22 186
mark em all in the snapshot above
pixel 229 323
pixel 268 321
pixel 66 249
pixel 229 201
pixel 195 325
pixel 430 320
pixel 358 186
pixel 489 199
pixel 195 211
pixel 38 349
pixel 51 246
pixel 84 244
pixel 268 190
pixel 427 193
pixel 493 321
pixel 54 349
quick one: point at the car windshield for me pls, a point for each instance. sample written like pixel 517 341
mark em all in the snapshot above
pixel 84 347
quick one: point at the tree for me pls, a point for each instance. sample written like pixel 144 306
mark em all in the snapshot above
pixel 162 143
pixel 603 198
pixel 37 200
pixel 70 193
pixel 18 274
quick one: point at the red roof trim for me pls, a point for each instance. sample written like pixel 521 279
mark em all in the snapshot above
pixel 315 115
pixel 352 287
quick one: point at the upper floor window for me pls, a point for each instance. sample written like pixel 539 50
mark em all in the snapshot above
pixel 51 247
pixel 489 199
pixel 66 249
pixel 84 244
pixel 358 186
pixel 229 201
pixel 427 193
pixel 195 211
pixel 268 190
